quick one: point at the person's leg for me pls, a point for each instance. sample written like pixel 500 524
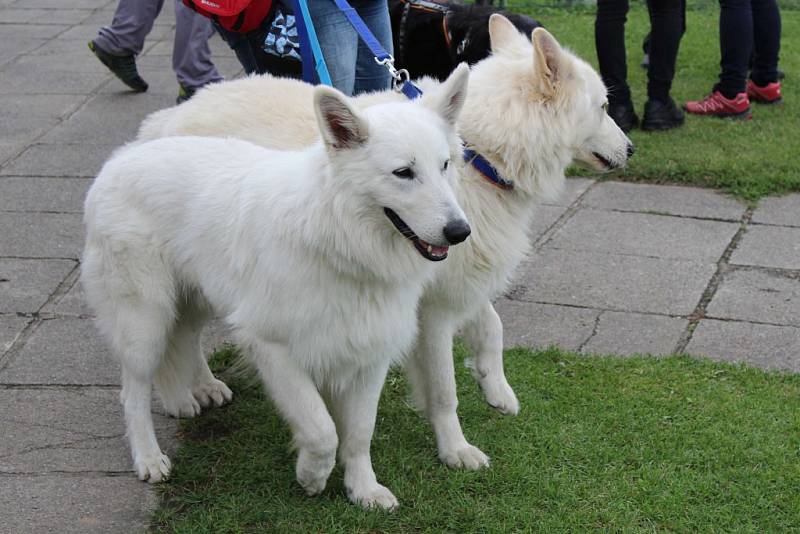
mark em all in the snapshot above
pixel 339 43
pixel 666 30
pixel 369 75
pixel 191 55
pixel 609 36
pixel 735 42
pixel 132 21
pixel 766 41
pixel 241 46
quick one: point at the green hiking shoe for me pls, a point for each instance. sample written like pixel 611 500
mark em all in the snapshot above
pixel 184 94
pixel 123 67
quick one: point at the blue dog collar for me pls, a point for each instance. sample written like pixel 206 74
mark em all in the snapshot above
pixel 486 170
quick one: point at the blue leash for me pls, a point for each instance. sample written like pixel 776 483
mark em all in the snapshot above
pixel 402 81
pixel 314 68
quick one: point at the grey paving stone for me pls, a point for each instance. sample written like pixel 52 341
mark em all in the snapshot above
pixel 25 285
pixel 765 346
pixel 24 130
pixel 544 218
pixel 59 4
pixel 59 160
pixel 9 149
pixel 41 235
pixel 527 324
pixel 667 199
pixel 635 333
pixel 72 303
pixel 20 79
pixel 75 430
pixel 573 189
pixel 10 327
pixel 23 107
pixel 75 505
pixel 9 32
pixel 784 211
pixel 769 246
pixel 73 59
pixel 641 234
pixel 620 283
pixel 13 48
pixel 61 16
pixel 93 124
pixel 43 194
pixel 65 350
pixel 760 296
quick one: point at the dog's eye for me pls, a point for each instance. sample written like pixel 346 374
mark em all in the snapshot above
pixel 446 164
pixel 404 172
pixel 605 107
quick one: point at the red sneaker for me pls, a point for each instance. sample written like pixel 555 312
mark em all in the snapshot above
pixel 717 105
pixel 769 94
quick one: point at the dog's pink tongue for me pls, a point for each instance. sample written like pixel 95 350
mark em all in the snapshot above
pixel 439 251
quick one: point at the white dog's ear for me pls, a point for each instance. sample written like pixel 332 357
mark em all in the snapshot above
pixel 448 99
pixel 547 58
pixel 342 127
pixel 503 35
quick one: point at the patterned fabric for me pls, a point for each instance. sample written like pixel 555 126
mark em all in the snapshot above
pixel 281 39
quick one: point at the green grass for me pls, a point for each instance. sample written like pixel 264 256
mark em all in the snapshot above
pixel 748 159
pixel 639 444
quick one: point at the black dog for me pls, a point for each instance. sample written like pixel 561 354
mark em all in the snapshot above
pixel 431 37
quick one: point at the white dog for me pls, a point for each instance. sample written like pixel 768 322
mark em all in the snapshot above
pixel 532 109
pixel 316 259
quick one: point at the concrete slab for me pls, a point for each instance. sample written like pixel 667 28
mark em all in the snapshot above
pixel 765 346
pixel 769 246
pixel 527 324
pixel 10 328
pixel 59 4
pixel 784 211
pixel 92 123
pixel 72 303
pixel 11 31
pixel 25 285
pixel 544 218
pixel 620 283
pixel 34 194
pixel 76 504
pixel 664 199
pixel 758 296
pixel 21 79
pixel 65 350
pixel 73 59
pixel 59 160
pixel 41 235
pixel 641 234
pixel 23 107
pixel 634 333
pixel 74 430
pixel 62 16
pixel 573 189
pixel 11 50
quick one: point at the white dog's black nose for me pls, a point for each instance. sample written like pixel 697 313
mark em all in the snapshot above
pixel 631 150
pixel 456 231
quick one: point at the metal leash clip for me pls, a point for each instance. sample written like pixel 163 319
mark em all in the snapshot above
pixel 400 76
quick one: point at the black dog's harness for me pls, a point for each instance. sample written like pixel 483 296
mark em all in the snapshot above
pixel 428 6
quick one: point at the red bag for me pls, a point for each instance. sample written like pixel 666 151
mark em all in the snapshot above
pixel 239 16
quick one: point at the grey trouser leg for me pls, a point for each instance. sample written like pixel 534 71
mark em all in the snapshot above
pixel 133 20
pixel 191 56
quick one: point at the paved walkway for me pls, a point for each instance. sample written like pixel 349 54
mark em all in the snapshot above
pixel 617 268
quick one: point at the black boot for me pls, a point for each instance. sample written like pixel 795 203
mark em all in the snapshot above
pixel 124 67
pixel 660 115
pixel 624 115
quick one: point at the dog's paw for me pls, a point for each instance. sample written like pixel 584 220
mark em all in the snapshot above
pixel 152 467
pixel 467 457
pixel 313 471
pixel 181 404
pixel 373 496
pixel 214 393
pixel 499 395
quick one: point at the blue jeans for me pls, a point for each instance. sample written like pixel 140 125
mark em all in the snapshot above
pixel 351 64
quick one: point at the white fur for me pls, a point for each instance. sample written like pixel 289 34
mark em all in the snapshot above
pixel 532 109
pixel 294 251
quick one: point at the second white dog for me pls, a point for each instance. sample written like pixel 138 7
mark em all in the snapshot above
pixel 317 259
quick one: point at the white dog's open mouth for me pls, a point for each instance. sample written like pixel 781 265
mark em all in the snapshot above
pixel 428 251
pixel 608 164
